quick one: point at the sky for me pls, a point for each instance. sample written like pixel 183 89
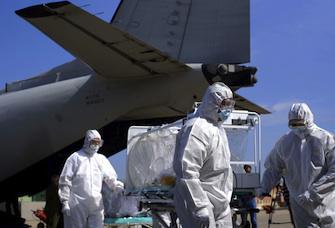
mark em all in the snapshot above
pixel 292 45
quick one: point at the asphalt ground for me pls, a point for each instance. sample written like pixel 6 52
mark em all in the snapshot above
pixel 280 219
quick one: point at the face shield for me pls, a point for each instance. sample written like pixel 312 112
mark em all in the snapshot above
pixel 227 103
pixel 297 124
pixel 95 144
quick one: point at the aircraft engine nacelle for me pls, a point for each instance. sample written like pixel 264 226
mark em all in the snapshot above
pixel 231 75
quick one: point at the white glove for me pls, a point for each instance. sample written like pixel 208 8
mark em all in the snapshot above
pixel 66 209
pixel 119 186
pixel 305 202
pixel 202 217
pixel 304 199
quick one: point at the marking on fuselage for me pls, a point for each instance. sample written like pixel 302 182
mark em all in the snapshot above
pixel 95 98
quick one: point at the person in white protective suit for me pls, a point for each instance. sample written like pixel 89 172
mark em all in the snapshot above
pixel 81 182
pixel 204 178
pixel 305 157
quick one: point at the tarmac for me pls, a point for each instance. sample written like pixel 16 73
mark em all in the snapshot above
pixel 280 219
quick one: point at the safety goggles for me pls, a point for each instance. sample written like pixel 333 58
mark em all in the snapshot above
pixel 97 142
pixel 296 123
pixel 227 103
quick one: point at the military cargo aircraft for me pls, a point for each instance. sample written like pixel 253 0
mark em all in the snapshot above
pixel 148 66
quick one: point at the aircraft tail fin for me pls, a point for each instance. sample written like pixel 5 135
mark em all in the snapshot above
pixel 192 31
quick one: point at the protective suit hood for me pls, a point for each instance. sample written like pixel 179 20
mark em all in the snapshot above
pixel 211 101
pixel 90 135
pixel 302 111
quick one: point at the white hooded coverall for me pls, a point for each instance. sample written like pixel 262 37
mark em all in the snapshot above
pixel 80 185
pixel 306 158
pixel 202 165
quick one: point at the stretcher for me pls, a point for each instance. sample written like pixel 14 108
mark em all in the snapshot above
pixel 159 202
pixel 134 222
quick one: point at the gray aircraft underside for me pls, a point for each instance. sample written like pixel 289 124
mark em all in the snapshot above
pixel 117 76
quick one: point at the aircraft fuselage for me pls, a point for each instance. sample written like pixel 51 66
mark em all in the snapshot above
pixel 50 117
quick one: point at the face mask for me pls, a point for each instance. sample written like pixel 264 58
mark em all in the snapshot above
pixel 299 131
pixel 92 149
pixel 224 113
